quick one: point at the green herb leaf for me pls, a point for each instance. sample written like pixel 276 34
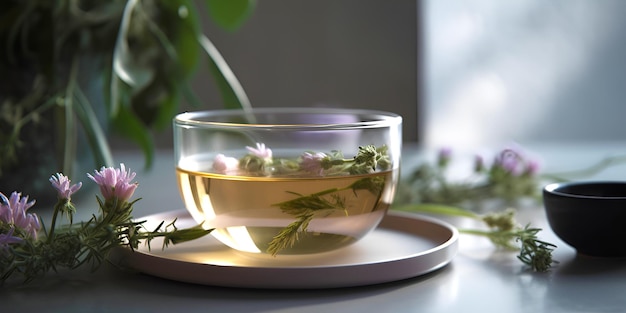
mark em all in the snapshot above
pixel 230 14
pixel 129 126
pixel 94 132
pixel 125 64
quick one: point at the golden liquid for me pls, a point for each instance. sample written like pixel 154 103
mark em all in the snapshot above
pixel 245 216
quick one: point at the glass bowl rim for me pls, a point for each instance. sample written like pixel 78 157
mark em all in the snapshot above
pixel 382 118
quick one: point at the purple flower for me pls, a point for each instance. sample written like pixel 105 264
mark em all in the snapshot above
pixel 443 157
pixel 8 238
pixel 62 184
pixel 479 164
pixel 223 164
pixel 261 151
pixel 312 162
pixel 516 163
pixel 510 161
pixel 115 182
pixel 532 167
pixel 13 212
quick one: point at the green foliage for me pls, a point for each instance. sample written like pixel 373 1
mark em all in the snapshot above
pixel 87 243
pixel 305 207
pixel 230 14
pixel 510 179
pixel 143 52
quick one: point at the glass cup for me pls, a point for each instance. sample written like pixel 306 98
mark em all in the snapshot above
pixel 288 181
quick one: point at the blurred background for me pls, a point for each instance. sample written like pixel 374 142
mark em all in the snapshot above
pixel 323 53
pixel 467 73
pixel 524 70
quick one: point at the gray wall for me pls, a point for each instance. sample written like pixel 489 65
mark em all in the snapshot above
pixel 524 71
pixel 351 53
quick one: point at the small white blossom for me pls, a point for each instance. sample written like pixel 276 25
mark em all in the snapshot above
pixel 312 162
pixel 261 151
pixel 223 164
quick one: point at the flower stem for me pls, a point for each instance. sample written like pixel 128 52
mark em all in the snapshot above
pixel 57 208
pixel 588 171
pixel 433 208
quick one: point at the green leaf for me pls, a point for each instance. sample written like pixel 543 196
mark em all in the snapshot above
pixel 230 14
pixel 166 105
pixel 95 135
pixel 181 24
pixel 233 94
pixel 125 64
pixel 130 127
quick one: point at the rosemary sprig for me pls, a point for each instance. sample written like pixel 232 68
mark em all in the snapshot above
pixel 305 207
pixel 289 235
pixel 503 231
pixel 24 253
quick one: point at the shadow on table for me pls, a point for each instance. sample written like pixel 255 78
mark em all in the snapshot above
pixel 603 281
pixel 111 289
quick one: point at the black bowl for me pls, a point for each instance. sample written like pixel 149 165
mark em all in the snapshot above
pixel 589 216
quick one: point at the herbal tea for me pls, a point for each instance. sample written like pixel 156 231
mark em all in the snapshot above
pixel 276 180
pixel 287 215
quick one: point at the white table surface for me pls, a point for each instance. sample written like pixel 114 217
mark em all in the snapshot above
pixel 479 279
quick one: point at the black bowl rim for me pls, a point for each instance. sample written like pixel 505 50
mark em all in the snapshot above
pixel 553 189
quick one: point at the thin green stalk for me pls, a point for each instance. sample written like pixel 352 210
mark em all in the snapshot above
pixel 95 133
pixel 588 171
pixel 232 91
pixel 55 214
pixel 121 48
pixel 28 117
pixel 433 208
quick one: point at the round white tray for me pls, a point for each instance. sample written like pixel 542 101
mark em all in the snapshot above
pixel 404 245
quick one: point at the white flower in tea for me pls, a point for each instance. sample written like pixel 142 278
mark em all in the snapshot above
pixel 257 160
pixel 261 151
pixel 223 164
pixel 312 162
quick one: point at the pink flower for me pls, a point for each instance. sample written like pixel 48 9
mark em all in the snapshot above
pixel 510 161
pixel 223 164
pixel 514 162
pixel 261 151
pixel 312 162
pixel 115 182
pixel 13 212
pixel 532 167
pixel 62 184
pixel 444 156
pixel 8 238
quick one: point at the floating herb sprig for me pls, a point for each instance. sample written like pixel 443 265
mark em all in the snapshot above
pixel 305 207
pixel 368 160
